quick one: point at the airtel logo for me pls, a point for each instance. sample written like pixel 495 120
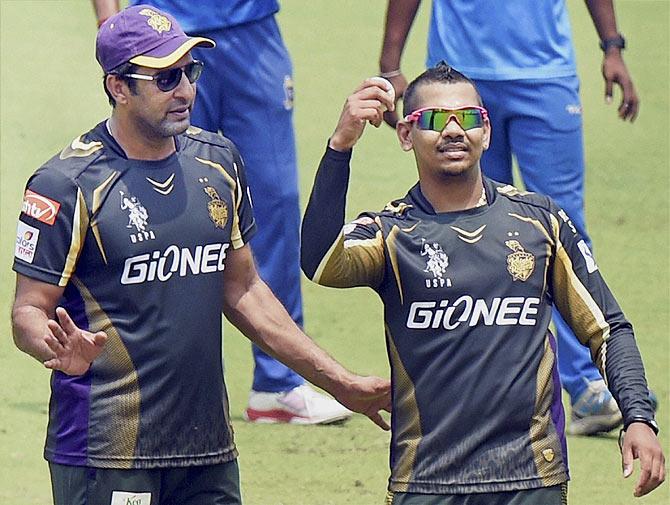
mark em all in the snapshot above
pixel 40 207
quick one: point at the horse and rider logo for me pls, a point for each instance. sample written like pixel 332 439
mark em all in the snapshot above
pixel 137 218
pixel 436 264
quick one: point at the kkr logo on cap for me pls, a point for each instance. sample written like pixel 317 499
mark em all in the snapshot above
pixel 157 21
pixel 40 207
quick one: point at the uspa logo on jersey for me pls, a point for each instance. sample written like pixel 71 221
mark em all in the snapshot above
pixel 40 207
pixel 137 218
pixel 437 262
pixel 26 242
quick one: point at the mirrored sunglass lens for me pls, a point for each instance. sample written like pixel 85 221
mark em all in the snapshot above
pixel 436 120
pixel 432 120
pixel 193 71
pixel 469 118
pixel 168 80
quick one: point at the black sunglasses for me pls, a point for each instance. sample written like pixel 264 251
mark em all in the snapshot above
pixel 167 80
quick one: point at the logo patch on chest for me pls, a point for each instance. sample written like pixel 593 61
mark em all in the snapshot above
pixel 520 263
pixel 137 218
pixel 217 208
pixel 437 262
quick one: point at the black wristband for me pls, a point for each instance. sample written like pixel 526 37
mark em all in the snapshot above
pixel 618 41
pixel 638 419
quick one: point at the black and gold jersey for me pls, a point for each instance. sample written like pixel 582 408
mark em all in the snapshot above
pixel 140 248
pixel 467 306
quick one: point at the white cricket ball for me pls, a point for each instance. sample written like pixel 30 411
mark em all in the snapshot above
pixel 386 84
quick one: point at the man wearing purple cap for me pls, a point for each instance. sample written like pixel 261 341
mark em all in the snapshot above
pixel 130 242
pixel 250 49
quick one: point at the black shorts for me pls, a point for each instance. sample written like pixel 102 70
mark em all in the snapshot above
pixel 554 495
pixel 195 485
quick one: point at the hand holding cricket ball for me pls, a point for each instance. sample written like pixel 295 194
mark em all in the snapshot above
pixel 366 104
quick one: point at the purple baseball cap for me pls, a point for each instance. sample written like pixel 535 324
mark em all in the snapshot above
pixel 145 36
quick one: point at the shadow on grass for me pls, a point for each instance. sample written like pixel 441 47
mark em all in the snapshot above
pixel 31 407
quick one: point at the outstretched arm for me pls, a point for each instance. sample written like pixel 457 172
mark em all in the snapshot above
pixel 250 306
pixel 614 69
pixel 400 15
pixel 48 333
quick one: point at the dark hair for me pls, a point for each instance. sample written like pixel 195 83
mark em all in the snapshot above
pixel 120 71
pixel 443 73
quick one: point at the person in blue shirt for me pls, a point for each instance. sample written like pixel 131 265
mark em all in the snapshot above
pixel 247 94
pixel 521 57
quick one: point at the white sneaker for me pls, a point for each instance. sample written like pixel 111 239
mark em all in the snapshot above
pixel 301 405
pixel 595 411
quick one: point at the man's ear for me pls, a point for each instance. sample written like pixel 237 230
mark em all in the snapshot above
pixel 118 88
pixel 404 131
pixel 486 140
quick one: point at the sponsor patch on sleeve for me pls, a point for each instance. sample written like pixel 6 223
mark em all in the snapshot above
pixel 40 207
pixel 588 257
pixel 26 242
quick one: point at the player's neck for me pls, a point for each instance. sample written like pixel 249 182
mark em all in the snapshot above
pixel 454 193
pixel 136 143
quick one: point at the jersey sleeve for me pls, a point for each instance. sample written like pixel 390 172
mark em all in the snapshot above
pixel 51 227
pixel 588 306
pixel 244 226
pixel 334 254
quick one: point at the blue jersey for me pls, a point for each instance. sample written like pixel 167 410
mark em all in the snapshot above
pixel 498 40
pixel 213 14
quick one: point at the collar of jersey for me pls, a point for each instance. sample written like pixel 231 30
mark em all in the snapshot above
pixel 103 134
pixel 424 206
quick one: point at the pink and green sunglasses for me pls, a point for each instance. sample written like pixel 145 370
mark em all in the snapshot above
pixel 436 118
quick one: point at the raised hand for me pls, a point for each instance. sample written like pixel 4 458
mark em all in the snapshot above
pixel 366 104
pixel 74 348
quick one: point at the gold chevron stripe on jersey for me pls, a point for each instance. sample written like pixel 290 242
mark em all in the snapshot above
pixel 125 403
pixel 79 226
pixel 235 232
pixel 544 439
pixel 79 149
pixel 406 421
pixel 98 198
pixel 393 256
pixel 581 311
pixel 510 190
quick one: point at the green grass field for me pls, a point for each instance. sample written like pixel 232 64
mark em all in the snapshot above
pixel 51 92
